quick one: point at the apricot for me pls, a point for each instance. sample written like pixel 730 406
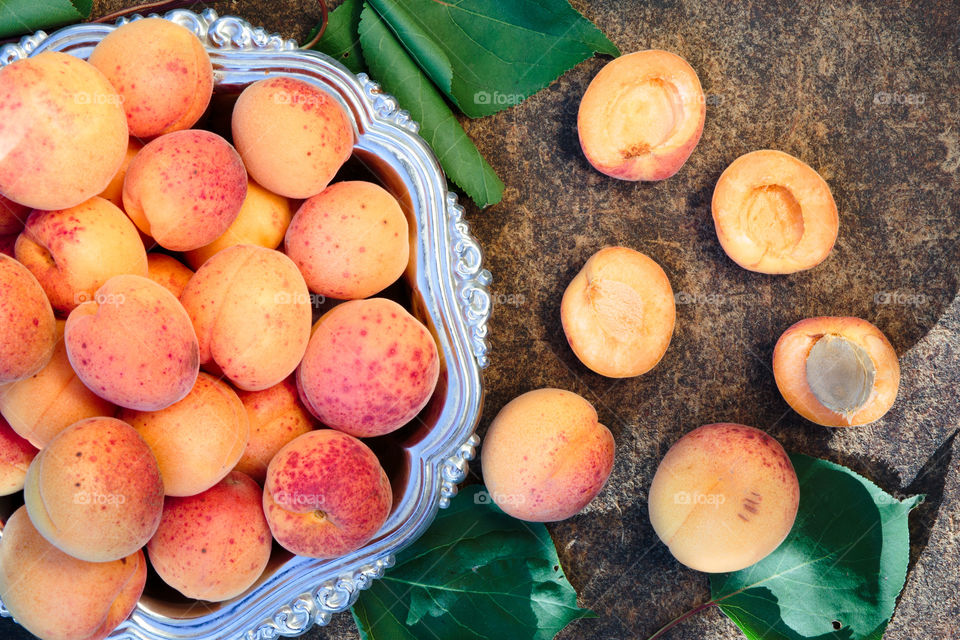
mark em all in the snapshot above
pixel 73 252
pixel 214 545
pixel 349 241
pixel 618 313
pixel 168 272
pixel 641 116
pixel 837 372
pixel 262 221
pixel 546 455
pixel 133 344
pixel 276 417
pixel 161 70
pixel 63 134
pixel 724 497
pixel 114 190
pixel 774 214
pixel 292 135
pixel 12 216
pixel 185 188
pixel 95 490
pixel 49 401
pixel 198 440
pixel 15 456
pixel 58 597
pixel 369 369
pixel 251 311
pixel 311 510
pixel 27 328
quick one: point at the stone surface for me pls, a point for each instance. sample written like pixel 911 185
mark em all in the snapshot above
pixel 866 93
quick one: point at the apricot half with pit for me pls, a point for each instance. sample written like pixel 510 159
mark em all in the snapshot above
pixel 724 497
pixel 618 313
pixel 641 116
pixel 837 372
pixel 774 214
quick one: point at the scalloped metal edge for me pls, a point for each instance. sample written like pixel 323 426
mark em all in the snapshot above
pixel 336 595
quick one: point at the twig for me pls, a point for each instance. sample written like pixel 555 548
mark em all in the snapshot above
pixel 323 27
pixel 163 5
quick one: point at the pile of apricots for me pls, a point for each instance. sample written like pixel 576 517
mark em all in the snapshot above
pixel 155 411
pixel 169 399
pixel 725 495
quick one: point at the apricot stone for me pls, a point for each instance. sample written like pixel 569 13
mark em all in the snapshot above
pixel 73 252
pixel 724 497
pixel 292 135
pixel 213 546
pixel 185 188
pixel 168 272
pixel 58 597
pixel 133 344
pixel 311 509
pixel 276 417
pixel 63 134
pixel 618 313
pixel 369 369
pixel 49 401
pixel 161 70
pixel 774 214
pixel 198 440
pixel 27 328
pixel 15 456
pixel 251 311
pixel 350 241
pixel 546 455
pixel 837 372
pixel 262 221
pixel 641 116
pixel 95 490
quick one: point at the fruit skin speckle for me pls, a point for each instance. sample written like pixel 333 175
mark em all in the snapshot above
pixel 369 369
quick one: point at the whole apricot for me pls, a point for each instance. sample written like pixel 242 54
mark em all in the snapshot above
pixel 58 597
pixel 369 369
pixel 724 497
pixel 27 328
pixel 546 455
pixel 95 490
pixel 350 241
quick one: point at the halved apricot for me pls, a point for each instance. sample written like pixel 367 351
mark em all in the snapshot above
pixel 773 213
pixel 641 116
pixel 618 313
pixel 836 371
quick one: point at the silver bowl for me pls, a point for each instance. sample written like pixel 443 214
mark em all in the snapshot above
pixel 447 290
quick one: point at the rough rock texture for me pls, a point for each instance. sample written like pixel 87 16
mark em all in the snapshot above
pixel 868 94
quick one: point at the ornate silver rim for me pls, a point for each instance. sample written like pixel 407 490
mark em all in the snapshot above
pixel 450 288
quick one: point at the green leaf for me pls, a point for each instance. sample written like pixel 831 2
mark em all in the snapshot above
pixel 843 564
pixel 476 574
pixel 340 40
pixel 399 76
pixel 21 17
pixel 487 55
